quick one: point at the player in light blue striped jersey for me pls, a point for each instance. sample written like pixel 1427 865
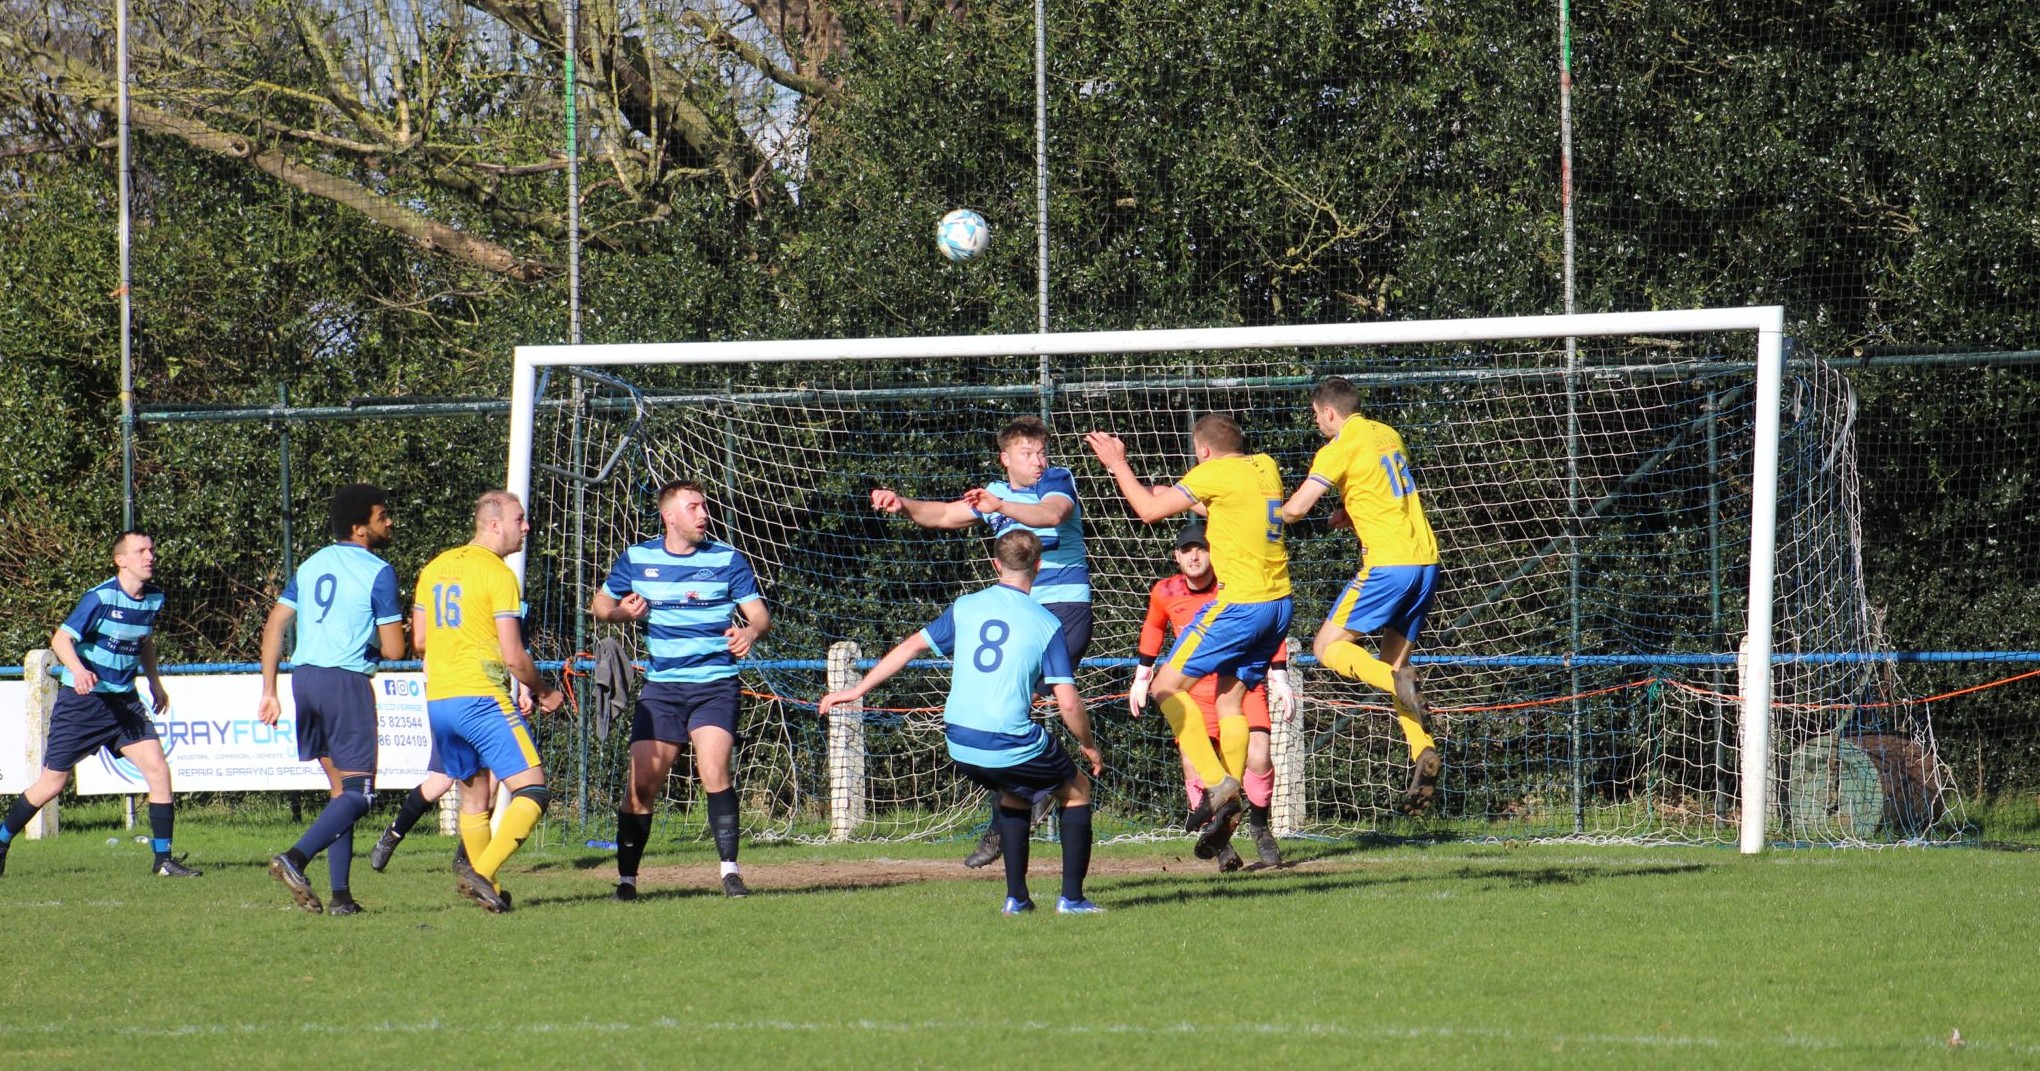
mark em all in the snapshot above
pixel 1006 647
pixel 343 601
pixel 1042 499
pixel 106 639
pixel 702 610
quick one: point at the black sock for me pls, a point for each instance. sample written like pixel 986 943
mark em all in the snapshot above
pixel 1076 845
pixel 722 821
pixel 18 816
pixel 632 832
pixel 1013 823
pixel 1257 816
pixel 414 808
pixel 162 821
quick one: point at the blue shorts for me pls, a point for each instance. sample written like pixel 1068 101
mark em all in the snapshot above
pixel 1382 597
pixel 1076 623
pixel 1233 638
pixel 82 724
pixel 1030 780
pixel 670 711
pixel 471 733
pixel 335 717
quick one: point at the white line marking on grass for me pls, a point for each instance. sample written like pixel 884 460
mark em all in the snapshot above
pixel 976 1028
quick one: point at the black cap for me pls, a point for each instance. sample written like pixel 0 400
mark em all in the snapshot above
pixel 1193 535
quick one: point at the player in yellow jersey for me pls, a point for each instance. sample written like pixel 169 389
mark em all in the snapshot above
pixel 1243 628
pixel 1366 462
pixel 468 623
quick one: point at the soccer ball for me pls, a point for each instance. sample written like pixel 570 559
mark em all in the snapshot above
pixel 962 234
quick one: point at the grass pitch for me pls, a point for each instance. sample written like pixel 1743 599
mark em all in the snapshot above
pixel 892 956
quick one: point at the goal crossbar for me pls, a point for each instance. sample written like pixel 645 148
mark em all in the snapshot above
pixel 1767 322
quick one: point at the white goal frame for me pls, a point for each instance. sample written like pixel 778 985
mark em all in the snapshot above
pixel 1768 323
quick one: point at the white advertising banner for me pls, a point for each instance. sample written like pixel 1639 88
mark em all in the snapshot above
pixel 15 773
pixel 215 743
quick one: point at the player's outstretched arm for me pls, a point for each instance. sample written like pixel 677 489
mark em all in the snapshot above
pixel 1299 505
pixel 927 513
pixel 270 707
pixel 1151 504
pixel 1044 514
pixel 1071 706
pixel 895 660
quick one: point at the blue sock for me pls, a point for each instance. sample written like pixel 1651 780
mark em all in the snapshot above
pixel 1076 846
pixel 339 860
pixel 1013 825
pixel 338 819
pixel 162 822
pixel 17 820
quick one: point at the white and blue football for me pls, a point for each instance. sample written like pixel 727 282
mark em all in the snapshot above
pixel 962 234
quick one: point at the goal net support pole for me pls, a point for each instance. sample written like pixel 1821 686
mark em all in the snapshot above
pixel 1766 322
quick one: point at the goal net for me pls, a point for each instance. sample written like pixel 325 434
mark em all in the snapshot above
pixel 1596 659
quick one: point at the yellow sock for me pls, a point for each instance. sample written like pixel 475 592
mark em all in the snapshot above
pixel 1351 661
pixel 1413 731
pixel 519 819
pixel 1187 722
pixel 474 834
pixel 1232 745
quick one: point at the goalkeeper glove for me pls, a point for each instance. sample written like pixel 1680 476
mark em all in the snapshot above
pixel 1281 697
pixel 1136 700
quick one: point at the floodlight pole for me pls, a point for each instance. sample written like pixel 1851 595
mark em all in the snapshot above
pixel 126 287
pixel 1041 195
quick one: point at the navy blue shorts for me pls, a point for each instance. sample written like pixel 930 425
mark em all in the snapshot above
pixel 670 711
pixel 1076 623
pixel 335 717
pixel 1037 777
pixel 82 724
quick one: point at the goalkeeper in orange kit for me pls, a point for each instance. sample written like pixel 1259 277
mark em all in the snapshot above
pixel 1173 606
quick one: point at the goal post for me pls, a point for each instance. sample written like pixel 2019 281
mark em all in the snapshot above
pixel 1766 324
